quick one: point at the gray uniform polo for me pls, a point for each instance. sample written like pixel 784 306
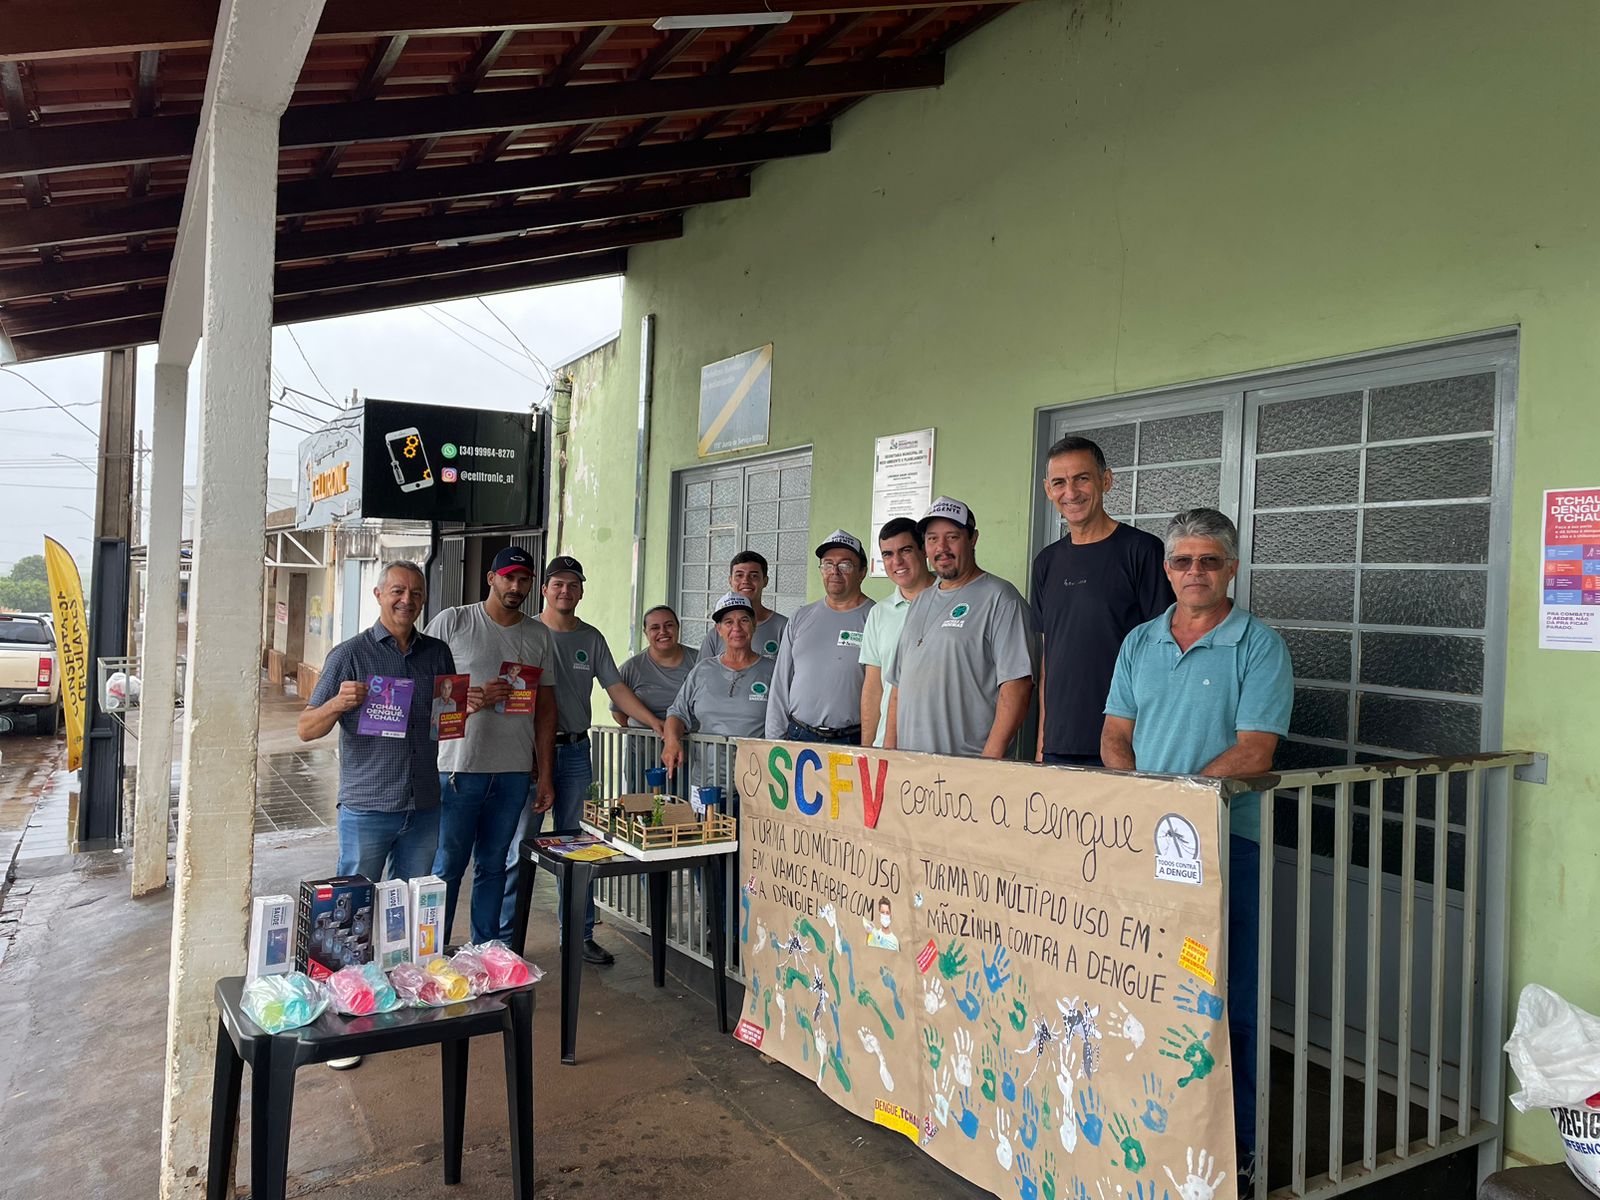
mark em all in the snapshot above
pixel 957 648
pixel 494 742
pixel 817 678
pixel 719 700
pixel 765 641
pixel 582 659
pixel 656 686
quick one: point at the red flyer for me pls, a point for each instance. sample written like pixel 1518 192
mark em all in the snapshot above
pixel 524 681
pixel 448 719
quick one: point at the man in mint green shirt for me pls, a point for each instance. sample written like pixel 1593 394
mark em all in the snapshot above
pixel 900 547
pixel 1207 689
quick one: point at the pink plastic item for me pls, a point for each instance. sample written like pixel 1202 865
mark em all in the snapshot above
pixel 352 992
pixel 504 967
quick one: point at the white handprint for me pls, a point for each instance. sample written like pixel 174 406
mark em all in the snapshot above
pixel 869 1043
pixel 821 1042
pixel 1002 1136
pixel 1069 1125
pixel 831 915
pixel 761 936
pixel 942 1091
pixel 933 996
pixel 963 1047
pixel 783 1016
pixel 1199 1185
pixel 1129 1027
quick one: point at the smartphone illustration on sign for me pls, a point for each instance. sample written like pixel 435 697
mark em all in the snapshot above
pixel 409 458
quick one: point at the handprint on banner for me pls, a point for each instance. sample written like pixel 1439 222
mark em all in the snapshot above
pixel 1028 1128
pixel 995 973
pixel 1127 1027
pixel 1027 1189
pixel 755 991
pixel 953 961
pixel 1002 1136
pixel 989 1064
pixel 1089 1118
pixel 932 996
pixel 942 1090
pixel 831 915
pixel 1008 1075
pixel 894 992
pixel 969 1003
pixel 1191 999
pixel 994 1031
pixel 1199 1185
pixel 963 1065
pixel 934 1040
pixel 1132 1151
pixel 1080 1190
pixel 1069 1126
pixel 1189 1046
pixel 744 903
pixel 783 1017
pixel 968 1121
pixel 761 936
pixel 869 1043
pixel 867 1000
pixel 1158 1099
pixel 1048 1183
pixel 1152 1190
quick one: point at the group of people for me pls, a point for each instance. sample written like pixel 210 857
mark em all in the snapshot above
pixel 1140 658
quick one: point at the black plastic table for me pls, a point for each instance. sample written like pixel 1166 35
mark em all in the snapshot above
pixel 274 1058
pixel 575 878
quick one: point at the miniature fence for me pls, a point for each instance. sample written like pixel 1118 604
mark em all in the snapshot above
pixel 639 832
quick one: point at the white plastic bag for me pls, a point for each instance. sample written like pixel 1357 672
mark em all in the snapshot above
pixel 1555 1051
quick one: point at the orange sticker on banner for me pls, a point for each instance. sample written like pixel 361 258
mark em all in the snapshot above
pixel 1192 958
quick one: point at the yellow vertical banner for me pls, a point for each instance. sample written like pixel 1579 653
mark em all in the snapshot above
pixel 72 643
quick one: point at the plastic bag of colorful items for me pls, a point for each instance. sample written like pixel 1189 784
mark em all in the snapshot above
pixel 361 991
pixel 431 985
pixel 282 1002
pixel 494 966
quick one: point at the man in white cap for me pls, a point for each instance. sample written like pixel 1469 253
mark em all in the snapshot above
pixel 816 684
pixel 963 676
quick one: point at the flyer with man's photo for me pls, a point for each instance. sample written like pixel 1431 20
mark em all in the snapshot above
pixel 524 681
pixel 447 719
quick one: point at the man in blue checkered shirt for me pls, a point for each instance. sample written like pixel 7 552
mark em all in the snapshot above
pixel 388 786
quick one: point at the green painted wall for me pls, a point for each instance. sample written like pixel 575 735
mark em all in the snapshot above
pixel 1109 197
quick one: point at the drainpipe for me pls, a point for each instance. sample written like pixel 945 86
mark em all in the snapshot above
pixel 641 473
pixel 560 423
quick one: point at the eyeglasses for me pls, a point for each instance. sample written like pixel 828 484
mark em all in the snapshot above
pixel 1209 563
pixel 838 568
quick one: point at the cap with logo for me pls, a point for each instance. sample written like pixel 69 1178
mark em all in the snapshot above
pixel 564 564
pixel 947 509
pixel 842 539
pixel 514 558
pixel 731 601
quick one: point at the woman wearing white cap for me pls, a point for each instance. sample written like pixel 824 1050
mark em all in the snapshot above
pixel 726 695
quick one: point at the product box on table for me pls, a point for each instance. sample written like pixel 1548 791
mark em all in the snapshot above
pixel 427 919
pixel 333 926
pixel 392 928
pixel 272 948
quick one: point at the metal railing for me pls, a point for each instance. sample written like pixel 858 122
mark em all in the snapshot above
pixel 1382 974
pixel 1382 995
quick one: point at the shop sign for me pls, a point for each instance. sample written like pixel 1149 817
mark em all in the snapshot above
pixel 735 402
pixel 329 486
pixel 433 462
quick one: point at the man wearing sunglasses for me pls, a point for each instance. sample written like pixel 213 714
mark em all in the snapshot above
pixel 1206 689
pixel 816 683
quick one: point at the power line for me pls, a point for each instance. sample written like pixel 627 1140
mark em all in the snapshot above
pixel 289 329
pixel 339 408
pixel 492 357
pixel 539 362
pixel 462 321
pixel 92 433
pixel 52 408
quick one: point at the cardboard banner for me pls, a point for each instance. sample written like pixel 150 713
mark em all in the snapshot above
pixel 72 643
pixel 1017 967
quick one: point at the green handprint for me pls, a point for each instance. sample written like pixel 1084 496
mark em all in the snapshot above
pixel 994 1031
pixel 953 961
pixel 934 1041
pixel 988 1060
pixel 1048 1184
pixel 836 1061
pixel 1018 1016
pixel 1132 1152
pixel 866 998
pixel 1188 1047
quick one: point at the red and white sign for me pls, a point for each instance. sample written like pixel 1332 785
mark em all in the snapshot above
pixel 749 1033
pixel 1569 583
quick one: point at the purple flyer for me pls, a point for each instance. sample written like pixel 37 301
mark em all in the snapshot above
pixel 387 708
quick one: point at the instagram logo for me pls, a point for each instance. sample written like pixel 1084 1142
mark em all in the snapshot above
pixel 447 475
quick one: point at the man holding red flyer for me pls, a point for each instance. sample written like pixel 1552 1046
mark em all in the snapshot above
pixel 485 776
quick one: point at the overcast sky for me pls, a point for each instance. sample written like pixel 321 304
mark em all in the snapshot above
pixel 451 353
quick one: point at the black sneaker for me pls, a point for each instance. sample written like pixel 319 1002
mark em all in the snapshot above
pixel 594 952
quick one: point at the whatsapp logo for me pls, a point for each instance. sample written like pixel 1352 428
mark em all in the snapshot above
pixel 448 449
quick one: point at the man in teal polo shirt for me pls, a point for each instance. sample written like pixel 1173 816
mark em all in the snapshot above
pixel 1206 689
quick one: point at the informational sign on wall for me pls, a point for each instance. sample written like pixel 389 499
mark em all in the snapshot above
pixel 735 402
pixel 1019 968
pixel 431 462
pixel 1569 597
pixel 329 488
pixel 902 483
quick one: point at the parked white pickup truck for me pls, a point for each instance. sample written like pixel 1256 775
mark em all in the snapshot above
pixel 29 680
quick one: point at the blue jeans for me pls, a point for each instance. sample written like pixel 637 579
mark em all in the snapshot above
pixel 574 773
pixel 1244 952
pixel 478 817
pixel 405 842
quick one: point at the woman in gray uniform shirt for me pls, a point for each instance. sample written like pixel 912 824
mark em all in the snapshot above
pixel 727 695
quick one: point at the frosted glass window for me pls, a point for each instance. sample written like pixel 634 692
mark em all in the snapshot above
pixel 1418 726
pixel 1319 653
pixel 1303 595
pixel 1305 479
pixel 1177 439
pixel 1432 599
pixel 796 481
pixel 1463 404
pixel 1427 662
pixel 1317 421
pixel 1440 471
pixel 1115 442
pixel 1172 489
pixel 726 490
pixel 726 516
pixel 761 518
pixel 1305 537
pixel 1321 713
pixel 1456 533
pixel 763 485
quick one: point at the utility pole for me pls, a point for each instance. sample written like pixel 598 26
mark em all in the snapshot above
pixel 136 536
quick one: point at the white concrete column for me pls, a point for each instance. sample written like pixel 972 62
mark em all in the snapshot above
pixel 158 654
pixel 217 798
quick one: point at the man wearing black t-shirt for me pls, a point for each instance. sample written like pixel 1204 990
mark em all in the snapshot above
pixel 1089 589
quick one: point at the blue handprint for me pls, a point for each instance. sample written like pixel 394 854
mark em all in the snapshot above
pixel 1147 1191
pixel 850 961
pixel 969 1004
pixel 1008 1076
pixel 744 902
pixel 1028 1189
pixel 1089 1119
pixel 1079 1190
pixel 894 992
pixel 968 1121
pixel 1191 999
pixel 1157 1099
pixel 1028 1130
pixel 995 973
pixel 755 991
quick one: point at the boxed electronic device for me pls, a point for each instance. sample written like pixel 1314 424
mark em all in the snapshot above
pixel 333 925
pixel 427 919
pixel 272 946
pixel 393 926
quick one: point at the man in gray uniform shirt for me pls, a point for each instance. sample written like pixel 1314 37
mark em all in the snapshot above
pixel 964 673
pixel 816 685
pixel 748 577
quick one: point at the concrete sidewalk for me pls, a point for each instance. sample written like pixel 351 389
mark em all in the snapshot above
pixel 659 1105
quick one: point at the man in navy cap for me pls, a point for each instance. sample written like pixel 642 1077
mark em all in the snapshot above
pixel 485 776
pixel 816 684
